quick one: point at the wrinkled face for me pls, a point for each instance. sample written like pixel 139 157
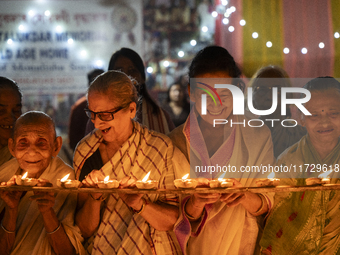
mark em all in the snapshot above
pixel 126 66
pixel 323 125
pixel 176 93
pixel 10 110
pixel 121 125
pixel 214 111
pixel 33 146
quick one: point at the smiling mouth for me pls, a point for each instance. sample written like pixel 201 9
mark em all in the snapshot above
pixel 6 126
pixel 33 162
pixel 215 113
pixel 325 131
pixel 106 130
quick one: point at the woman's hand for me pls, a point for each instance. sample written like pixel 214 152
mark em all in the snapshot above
pixel 199 200
pixel 91 180
pixel 252 202
pixel 233 199
pixel 44 200
pixel 11 198
pixel 132 200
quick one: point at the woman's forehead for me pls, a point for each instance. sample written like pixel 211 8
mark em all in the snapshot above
pixel 42 129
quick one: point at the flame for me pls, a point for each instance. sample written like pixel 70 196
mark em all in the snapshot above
pixel 221 177
pixel 146 177
pixel 24 176
pixel 65 178
pixel 107 178
pixel 325 174
pixel 185 176
pixel 271 175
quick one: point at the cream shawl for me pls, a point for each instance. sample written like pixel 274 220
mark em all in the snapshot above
pixel 31 237
pixel 225 230
pixel 121 231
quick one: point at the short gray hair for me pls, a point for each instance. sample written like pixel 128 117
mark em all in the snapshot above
pixel 116 85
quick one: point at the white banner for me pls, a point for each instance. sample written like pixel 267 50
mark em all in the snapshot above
pixel 48 47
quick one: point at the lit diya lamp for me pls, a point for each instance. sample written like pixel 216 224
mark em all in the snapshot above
pixel 145 183
pixel 108 184
pixel 322 179
pixel 185 183
pixel 269 181
pixel 221 182
pixel 67 183
pixel 24 181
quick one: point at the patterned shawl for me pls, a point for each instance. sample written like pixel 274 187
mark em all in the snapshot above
pixel 31 237
pixel 121 231
pixel 304 222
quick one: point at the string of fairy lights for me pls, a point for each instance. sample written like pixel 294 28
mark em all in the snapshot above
pixel 226 12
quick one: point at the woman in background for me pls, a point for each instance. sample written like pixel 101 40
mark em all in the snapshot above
pixel 10 110
pixel 177 104
pixel 150 114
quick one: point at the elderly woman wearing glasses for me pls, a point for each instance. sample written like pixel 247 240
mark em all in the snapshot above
pixel 123 149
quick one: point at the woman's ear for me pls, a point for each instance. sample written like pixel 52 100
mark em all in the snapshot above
pixel 132 109
pixel 57 146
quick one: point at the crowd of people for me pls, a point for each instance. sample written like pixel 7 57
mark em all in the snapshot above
pixel 127 135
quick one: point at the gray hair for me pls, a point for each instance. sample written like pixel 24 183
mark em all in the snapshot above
pixel 117 86
pixel 34 118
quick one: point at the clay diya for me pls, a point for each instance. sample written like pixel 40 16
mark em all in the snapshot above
pixel 321 179
pixel 221 183
pixel 270 181
pixel 108 184
pixel 185 183
pixel 24 181
pixel 67 183
pixel 145 183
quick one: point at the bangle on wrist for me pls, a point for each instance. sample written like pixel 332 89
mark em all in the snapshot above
pixel 263 201
pixel 143 207
pixel 7 231
pixel 101 198
pixel 50 233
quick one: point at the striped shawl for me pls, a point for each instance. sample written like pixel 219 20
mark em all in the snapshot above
pixel 121 231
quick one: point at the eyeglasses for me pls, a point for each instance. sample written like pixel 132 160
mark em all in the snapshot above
pixel 104 116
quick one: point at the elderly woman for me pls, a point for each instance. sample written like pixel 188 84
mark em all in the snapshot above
pixel 262 82
pixel 214 223
pixel 10 110
pixel 37 223
pixel 308 222
pixel 123 149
